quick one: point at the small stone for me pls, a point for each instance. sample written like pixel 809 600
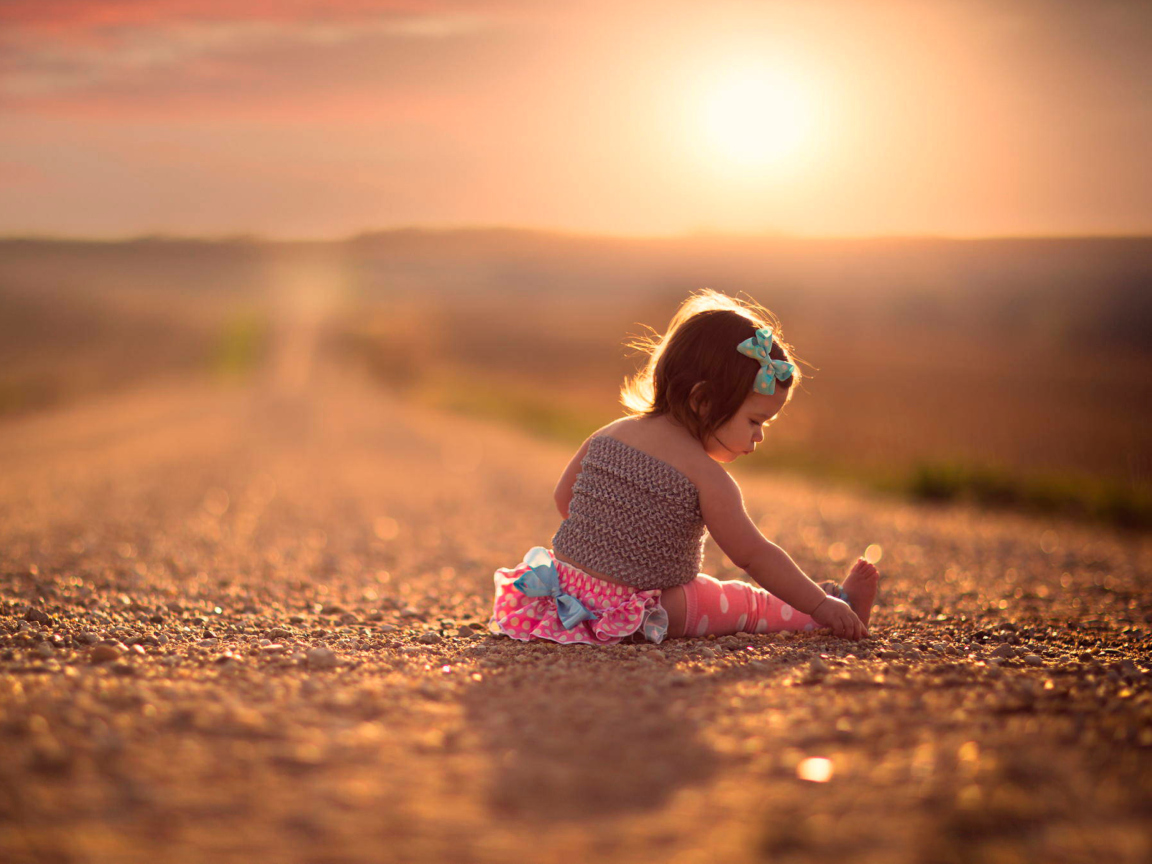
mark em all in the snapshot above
pixel 386 628
pixel 279 633
pixel 322 658
pixel 429 638
pixel 1033 659
pixel 37 616
pixel 87 638
pixel 105 654
pixel 208 643
pixel 1004 651
pixel 45 650
pixel 122 669
pixel 817 666
pixel 273 649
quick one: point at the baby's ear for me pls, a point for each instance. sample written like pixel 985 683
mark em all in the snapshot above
pixel 698 397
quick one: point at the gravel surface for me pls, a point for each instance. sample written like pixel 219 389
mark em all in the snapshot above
pixel 249 624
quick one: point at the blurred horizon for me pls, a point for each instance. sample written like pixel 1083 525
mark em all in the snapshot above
pixel 543 231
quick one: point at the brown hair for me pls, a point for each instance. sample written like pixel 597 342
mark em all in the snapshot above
pixel 700 349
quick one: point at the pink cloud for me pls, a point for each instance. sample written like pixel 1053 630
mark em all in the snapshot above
pixel 77 54
pixel 63 16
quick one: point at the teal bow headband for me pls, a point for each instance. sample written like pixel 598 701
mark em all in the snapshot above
pixel 771 370
pixel 543 581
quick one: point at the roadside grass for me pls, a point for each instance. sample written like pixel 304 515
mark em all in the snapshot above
pixel 1100 499
pixel 240 345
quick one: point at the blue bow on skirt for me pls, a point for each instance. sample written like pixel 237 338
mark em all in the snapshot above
pixel 543 580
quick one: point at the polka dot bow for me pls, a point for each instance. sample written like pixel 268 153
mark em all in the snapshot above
pixel 542 580
pixel 771 370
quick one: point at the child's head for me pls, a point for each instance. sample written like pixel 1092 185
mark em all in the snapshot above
pixel 695 374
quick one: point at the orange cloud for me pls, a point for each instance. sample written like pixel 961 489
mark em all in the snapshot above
pixel 78 55
pixel 65 16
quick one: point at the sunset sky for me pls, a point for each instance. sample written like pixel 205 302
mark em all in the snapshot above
pixel 322 118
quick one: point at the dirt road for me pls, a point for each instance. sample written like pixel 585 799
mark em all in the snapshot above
pixel 247 624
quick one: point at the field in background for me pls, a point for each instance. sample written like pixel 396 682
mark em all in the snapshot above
pixel 1007 371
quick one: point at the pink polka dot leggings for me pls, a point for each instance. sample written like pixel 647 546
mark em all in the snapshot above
pixel 723 608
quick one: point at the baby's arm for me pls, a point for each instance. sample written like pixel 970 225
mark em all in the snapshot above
pixel 770 566
pixel 563 493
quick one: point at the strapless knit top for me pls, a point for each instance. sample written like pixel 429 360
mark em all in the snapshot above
pixel 632 517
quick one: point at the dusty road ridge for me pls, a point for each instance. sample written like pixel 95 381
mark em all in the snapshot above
pixel 248 624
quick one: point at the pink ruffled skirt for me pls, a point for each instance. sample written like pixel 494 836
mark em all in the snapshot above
pixel 620 610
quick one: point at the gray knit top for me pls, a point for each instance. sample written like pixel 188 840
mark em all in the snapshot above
pixel 632 517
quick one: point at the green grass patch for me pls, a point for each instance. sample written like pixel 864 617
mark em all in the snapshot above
pixel 523 407
pixel 241 345
pixel 1097 498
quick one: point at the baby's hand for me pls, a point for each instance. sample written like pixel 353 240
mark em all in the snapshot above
pixel 839 617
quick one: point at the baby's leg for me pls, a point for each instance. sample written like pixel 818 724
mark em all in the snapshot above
pixel 712 606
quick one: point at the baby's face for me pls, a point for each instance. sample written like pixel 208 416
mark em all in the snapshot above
pixel 745 429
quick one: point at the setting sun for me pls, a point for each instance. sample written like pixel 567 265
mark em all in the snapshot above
pixel 754 118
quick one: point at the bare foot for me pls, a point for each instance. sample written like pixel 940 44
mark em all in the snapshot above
pixel 860 586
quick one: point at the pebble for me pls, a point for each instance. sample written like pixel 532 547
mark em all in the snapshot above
pixel 105 653
pixel 1004 651
pixel 429 638
pixel 87 638
pixel 37 616
pixel 322 658
pixel 45 650
pixel 1033 659
pixel 208 643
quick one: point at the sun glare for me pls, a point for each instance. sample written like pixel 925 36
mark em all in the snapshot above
pixel 756 118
